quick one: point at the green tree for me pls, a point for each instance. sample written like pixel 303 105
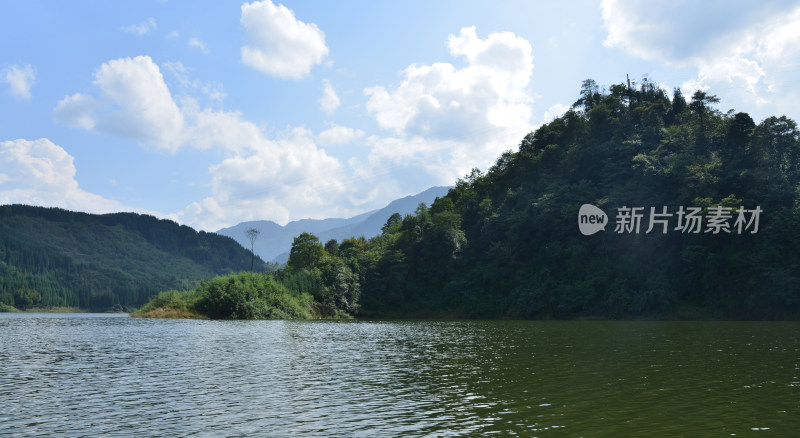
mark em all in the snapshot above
pixel 677 107
pixel 332 247
pixel 342 288
pixel 778 141
pixel 26 297
pixel 590 95
pixel 739 131
pixel 392 224
pixel 736 154
pixel 700 106
pixel 306 252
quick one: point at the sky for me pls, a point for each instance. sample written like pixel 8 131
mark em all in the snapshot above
pixel 211 113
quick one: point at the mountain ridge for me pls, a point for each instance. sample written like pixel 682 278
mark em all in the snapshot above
pixel 275 241
pixel 53 257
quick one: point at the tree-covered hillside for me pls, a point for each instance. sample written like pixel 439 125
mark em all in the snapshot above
pixel 507 243
pixel 51 257
pixel 702 220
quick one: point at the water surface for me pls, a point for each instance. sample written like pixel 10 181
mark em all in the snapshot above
pixel 113 375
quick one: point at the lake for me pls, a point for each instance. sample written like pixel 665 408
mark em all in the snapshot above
pixel 84 374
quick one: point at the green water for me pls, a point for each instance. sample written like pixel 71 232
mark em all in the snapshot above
pixel 104 375
pixel 645 378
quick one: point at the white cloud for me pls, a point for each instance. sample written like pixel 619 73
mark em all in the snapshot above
pixel 740 72
pixel 76 111
pixel 197 43
pixel 329 100
pixel 286 179
pixel 172 35
pixel 744 50
pixel 449 119
pixel 141 29
pixel 679 32
pixel 291 176
pixel 279 44
pixel 20 79
pixel 146 108
pixel 135 103
pixel 416 161
pixel 39 172
pixel 282 179
pixel 339 135
pixel 555 112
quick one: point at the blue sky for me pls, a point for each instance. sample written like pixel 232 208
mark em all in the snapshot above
pixel 214 113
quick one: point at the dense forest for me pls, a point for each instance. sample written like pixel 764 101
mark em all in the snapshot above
pixel 51 257
pixel 506 243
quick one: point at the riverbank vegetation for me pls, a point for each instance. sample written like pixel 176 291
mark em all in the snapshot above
pixel 240 296
pixel 6 308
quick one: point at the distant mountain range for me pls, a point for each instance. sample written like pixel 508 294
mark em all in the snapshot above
pixel 275 241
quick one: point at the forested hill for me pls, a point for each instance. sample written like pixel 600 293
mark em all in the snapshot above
pixel 51 257
pixel 633 204
pixel 507 243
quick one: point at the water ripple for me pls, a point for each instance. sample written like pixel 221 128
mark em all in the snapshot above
pixel 110 375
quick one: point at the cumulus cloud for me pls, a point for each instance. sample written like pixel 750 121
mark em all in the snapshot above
pixel 741 47
pixel 281 179
pixel 329 100
pixel 134 102
pixel 142 28
pixel 680 32
pixel 339 135
pixel 458 118
pixel 19 79
pixel 76 111
pixel 39 172
pixel 285 179
pixel 743 73
pixel 415 162
pixel 279 44
pixel 450 119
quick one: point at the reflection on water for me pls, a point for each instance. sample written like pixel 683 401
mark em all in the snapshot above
pixel 101 374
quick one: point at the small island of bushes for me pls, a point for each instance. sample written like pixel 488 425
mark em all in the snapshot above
pixel 242 296
pixel 315 284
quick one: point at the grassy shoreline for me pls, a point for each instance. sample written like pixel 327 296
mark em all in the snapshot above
pixel 56 310
pixel 168 313
pixel 5 308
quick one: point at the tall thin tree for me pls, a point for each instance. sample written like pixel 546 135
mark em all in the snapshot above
pixel 252 235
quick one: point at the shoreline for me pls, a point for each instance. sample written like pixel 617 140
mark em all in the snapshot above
pixel 4 308
pixel 684 314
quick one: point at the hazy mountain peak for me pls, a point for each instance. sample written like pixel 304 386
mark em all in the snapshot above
pixel 275 240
